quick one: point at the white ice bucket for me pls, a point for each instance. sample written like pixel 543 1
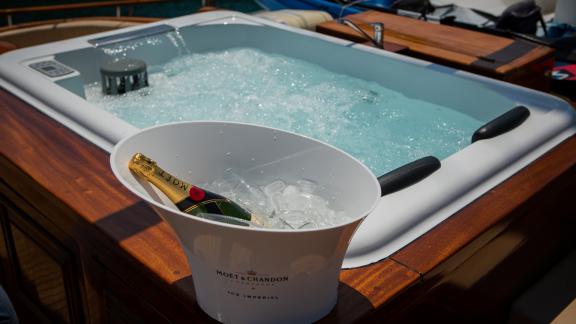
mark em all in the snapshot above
pixel 253 275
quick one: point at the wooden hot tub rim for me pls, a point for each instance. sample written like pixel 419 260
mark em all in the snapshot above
pixel 63 174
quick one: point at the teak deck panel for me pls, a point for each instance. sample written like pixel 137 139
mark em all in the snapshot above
pixel 75 6
pixel 65 176
pixel 481 217
pixel 69 180
pixel 448 45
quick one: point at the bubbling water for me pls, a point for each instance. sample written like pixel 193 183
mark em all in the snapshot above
pixel 381 127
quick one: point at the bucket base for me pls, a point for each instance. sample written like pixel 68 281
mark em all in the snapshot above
pixel 310 318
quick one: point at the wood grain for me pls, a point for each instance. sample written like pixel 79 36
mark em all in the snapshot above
pixel 363 290
pixel 70 181
pixel 75 188
pixel 75 6
pixel 490 214
pixel 440 43
pixel 120 20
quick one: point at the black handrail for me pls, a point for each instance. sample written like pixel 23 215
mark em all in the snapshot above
pixel 502 124
pixel 408 174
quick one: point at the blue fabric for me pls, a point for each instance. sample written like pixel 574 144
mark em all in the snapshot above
pixel 7 312
pixel 335 9
pixel 556 30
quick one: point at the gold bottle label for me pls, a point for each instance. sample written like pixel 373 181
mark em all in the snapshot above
pixel 174 188
pixel 188 198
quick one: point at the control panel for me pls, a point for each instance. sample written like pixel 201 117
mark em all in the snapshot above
pixel 52 69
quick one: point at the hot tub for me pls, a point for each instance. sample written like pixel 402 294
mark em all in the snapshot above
pixel 55 77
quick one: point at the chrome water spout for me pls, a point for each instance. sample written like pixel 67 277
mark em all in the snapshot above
pixel 377 30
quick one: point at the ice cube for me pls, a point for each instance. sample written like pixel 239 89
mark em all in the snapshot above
pixel 231 179
pixel 326 217
pixel 291 191
pixel 252 197
pixel 281 204
pixel 221 185
pixel 307 186
pixel 274 187
pixel 294 199
pixel 296 219
pixel 317 203
pixel 275 200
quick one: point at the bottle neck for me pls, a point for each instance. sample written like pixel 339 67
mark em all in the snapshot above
pixel 175 189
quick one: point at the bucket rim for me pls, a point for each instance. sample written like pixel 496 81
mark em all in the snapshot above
pixel 118 175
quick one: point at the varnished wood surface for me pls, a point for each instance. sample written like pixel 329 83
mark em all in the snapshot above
pixel 391 47
pixel 67 177
pixel 495 249
pixel 70 181
pixel 483 219
pixel 440 43
pixel 123 19
pixel 75 6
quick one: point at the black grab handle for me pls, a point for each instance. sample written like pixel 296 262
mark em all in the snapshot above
pixel 502 124
pixel 408 174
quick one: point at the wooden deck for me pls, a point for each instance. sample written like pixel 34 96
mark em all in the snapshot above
pixel 117 256
pixel 77 247
pixel 502 58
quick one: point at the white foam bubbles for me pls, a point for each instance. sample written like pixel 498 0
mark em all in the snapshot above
pixel 381 127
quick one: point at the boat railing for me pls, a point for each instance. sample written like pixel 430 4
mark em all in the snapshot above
pixel 119 4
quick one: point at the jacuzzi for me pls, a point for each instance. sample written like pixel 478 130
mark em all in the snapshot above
pixel 52 77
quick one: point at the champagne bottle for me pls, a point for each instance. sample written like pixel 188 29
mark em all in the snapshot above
pixel 187 198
